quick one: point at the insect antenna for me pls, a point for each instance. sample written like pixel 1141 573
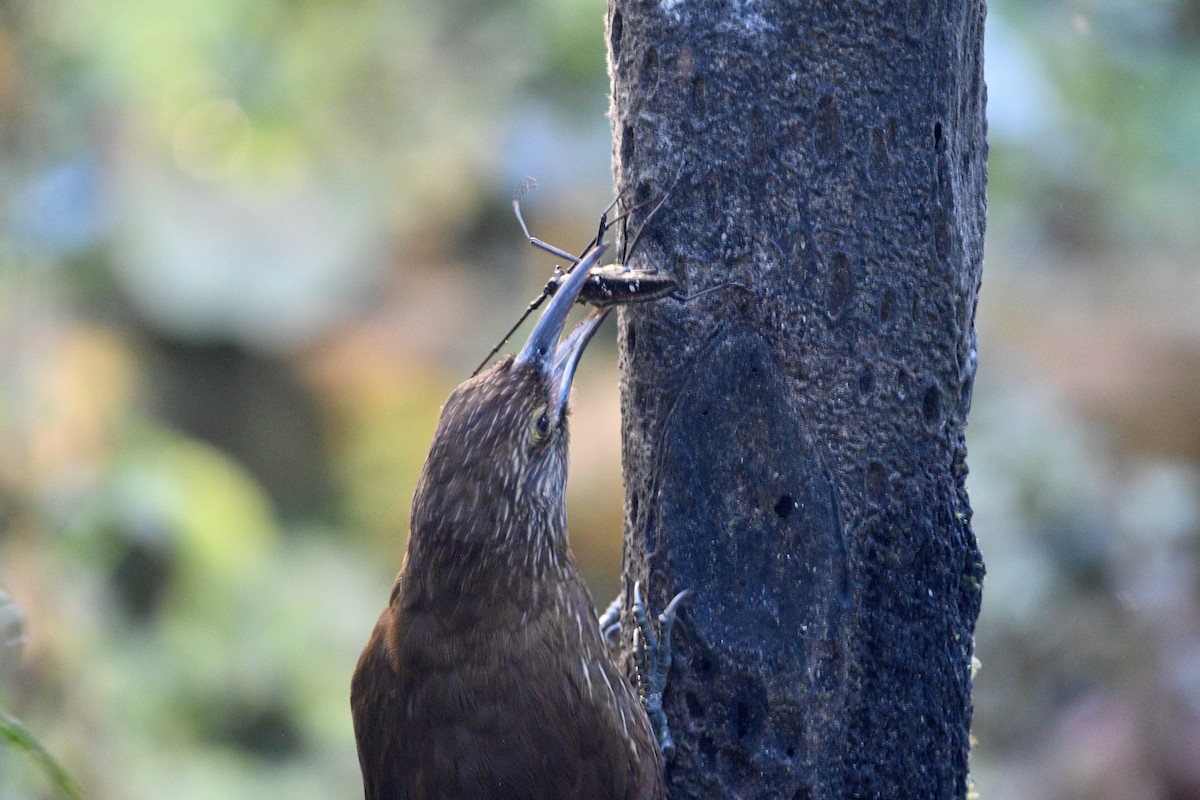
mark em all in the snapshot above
pixel 533 306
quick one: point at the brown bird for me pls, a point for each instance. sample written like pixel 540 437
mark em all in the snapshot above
pixel 487 676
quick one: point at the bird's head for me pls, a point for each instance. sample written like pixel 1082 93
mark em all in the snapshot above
pixel 497 468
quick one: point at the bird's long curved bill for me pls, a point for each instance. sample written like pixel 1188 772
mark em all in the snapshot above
pixel 543 350
pixel 569 351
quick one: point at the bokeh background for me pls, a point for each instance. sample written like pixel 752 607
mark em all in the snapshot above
pixel 248 246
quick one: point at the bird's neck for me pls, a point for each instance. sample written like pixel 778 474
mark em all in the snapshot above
pixel 523 565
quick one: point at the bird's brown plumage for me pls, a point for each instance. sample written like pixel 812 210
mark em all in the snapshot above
pixel 486 677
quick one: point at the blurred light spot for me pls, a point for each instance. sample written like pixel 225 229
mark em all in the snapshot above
pixel 212 139
pixel 1161 503
pixel 59 212
pixel 1081 24
pixel 78 392
pixel 1021 100
pixel 183 92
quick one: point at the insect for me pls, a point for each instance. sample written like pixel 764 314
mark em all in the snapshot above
pixel 609 285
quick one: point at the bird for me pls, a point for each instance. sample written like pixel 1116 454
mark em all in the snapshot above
pixel 487 676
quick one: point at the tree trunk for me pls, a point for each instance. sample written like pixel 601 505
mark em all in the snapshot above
pixel 794 431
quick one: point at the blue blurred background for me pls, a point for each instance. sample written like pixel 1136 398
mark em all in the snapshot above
pixel 247 248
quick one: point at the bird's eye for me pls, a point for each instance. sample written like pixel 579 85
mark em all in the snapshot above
pixel 539 425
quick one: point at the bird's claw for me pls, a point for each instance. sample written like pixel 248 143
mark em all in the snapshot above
pixel 610 623
pixel 653 659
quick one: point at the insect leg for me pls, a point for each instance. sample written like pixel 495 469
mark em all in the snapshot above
pixel 533 240
pixel 629 250
pixel 682 298
pixel 604 223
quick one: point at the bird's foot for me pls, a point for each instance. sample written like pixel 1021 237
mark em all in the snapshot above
pixel 652 655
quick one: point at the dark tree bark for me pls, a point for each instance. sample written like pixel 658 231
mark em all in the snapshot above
pixel 794 436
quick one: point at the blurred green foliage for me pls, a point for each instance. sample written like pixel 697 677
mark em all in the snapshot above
pixel 246 249
pixel 218 378
pixel 15 734
pixel 1096 150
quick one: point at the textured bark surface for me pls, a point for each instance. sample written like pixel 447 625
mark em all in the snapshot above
pixel 794 438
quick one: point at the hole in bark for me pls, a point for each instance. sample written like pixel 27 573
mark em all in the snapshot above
pixel 837 287
pixel 627 145
pixel 634 502
pixel 887 306
pixel 866 384
pixel 790 752
pixel 876 482
pixel 937 136
pixel 742 719
pixel 630 339
pixel 749 709
pixel 650 68
pixel 614 36
pixel 642 196
pixel 699 96
pixel 879 152
pixel 784 506
pixel 931 404
pixel 803 793
pixel 829 128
